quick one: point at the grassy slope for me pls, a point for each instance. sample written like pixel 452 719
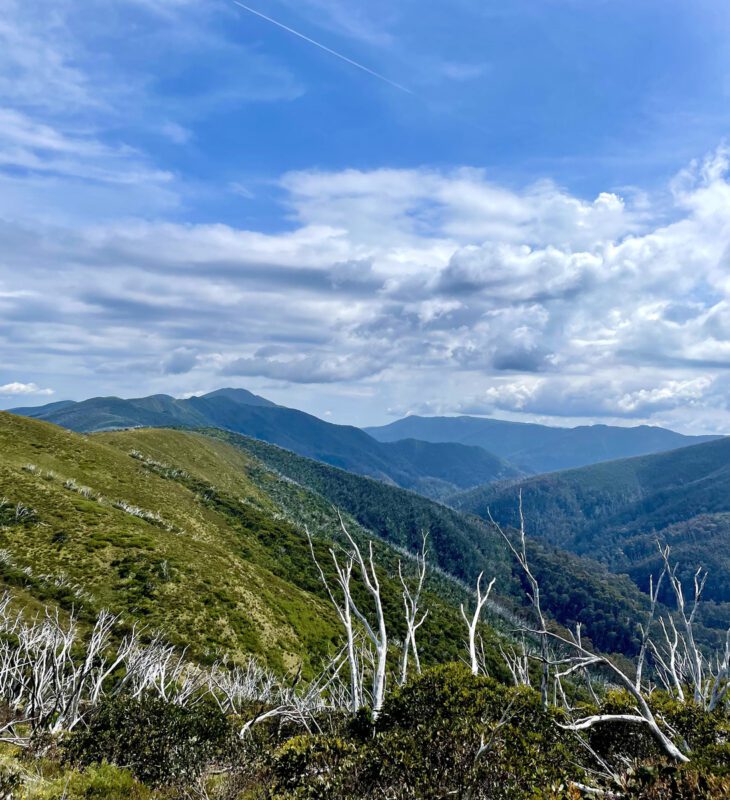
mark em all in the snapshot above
pixel 204 583
pixel 232 573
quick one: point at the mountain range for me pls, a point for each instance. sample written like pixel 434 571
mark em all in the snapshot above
pixel 200 534
pixel 431 469
pixel 433 456
pixel 538 448
pixel 611 512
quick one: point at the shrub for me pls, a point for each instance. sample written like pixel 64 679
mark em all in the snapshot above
pixel 314 768
pixel 101 782
pixel 425 746
pixel 10 782
pixel 159 742
pixel 431 731
pixel 668 782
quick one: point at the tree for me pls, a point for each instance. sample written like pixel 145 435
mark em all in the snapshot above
pixel 411 599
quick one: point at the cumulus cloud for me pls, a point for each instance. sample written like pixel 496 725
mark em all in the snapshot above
pixel 423 287
pixel 16 388
pixel 314 368
pixel 558 396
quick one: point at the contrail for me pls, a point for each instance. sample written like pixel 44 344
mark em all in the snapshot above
pixel 323 47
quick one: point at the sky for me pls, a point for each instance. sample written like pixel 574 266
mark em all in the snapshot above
pixel 512 209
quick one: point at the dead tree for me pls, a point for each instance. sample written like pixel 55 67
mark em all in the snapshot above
pixel 518 663
pixel 411 601
pixel 343 610
pixel 472 623
pixel 584 658
pixel 377 632
pixel 578 659
pixel 646 627
pixel 520 553
pixel 693 653
pixel 301 704
pixel 679 660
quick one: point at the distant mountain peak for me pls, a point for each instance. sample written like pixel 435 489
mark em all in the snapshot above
pixel 240 396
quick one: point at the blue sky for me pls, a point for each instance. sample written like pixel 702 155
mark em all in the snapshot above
pixel 190 196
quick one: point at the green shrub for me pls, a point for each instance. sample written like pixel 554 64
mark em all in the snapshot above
pixel 100 782
pixel 669 782
pixel 159 742
pixel 10 782
pixel 426 742
pixel 315 768
pixel 431 730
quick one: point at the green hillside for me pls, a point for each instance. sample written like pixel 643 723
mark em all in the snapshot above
pixel 434 469
pixel 210 547
pixel 574 589
pixel 616 511
pixel 201 553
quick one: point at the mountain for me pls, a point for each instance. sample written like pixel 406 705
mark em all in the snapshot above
pixel 199 534
pixel 242 396
pixel 188 535
pixel 538 448
pixel 616 511
pixel 434 469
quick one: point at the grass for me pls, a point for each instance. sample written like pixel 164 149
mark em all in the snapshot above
pixel 191 535
pixel 205 575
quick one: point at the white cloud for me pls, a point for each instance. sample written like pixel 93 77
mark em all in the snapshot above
pixel 423 287
pixel 39 148
pixel 178 134
pixel 16 388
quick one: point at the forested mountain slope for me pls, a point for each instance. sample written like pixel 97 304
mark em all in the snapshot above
pixel 573 589
pixel 201 536
pixel 432 469
pixel 538 448
pixel 617 511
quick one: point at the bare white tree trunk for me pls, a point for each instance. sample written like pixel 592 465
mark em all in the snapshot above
pixel 472 623
pixel 377 633
pixel 692 652
pixel 411 600
pixel 534 596
pixel 517 663
pixel 721 683
pixel 344 575
pixel 584 658
pixel 644 714
pixel 646 627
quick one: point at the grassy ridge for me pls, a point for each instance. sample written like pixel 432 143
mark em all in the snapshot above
pixel 210 549
pixel 187 569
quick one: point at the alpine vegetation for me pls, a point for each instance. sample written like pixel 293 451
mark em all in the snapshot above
pixel 112 702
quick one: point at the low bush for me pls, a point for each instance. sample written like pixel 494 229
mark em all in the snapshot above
pixel 160 743
pixel 99 782
pixel 445 734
